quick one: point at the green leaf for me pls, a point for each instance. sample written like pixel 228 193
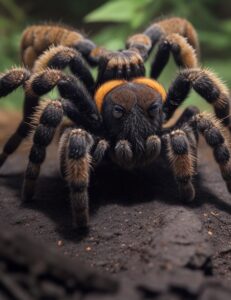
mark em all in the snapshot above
pixel 118 11
pixel 112 37
pixel 226 26
pixel 113 11
pixel 13 9
pixel 215 39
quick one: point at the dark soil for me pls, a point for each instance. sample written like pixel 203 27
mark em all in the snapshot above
pixel 141 235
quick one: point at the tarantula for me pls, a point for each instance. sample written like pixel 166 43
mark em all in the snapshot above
pixel 119 119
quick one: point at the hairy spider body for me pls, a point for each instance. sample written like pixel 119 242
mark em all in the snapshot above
pixel 132 134
pixel 121 118
pixel 127 64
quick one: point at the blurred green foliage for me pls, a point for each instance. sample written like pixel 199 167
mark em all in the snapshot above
pixel 110 22
pixel 123 17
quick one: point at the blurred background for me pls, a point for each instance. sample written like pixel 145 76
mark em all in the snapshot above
pixel 110 22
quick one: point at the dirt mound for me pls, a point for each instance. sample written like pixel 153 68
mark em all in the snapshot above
pixel 143 243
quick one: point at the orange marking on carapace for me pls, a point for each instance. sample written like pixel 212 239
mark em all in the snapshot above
pixel 107 87
pixel 152 84
pixel 104 89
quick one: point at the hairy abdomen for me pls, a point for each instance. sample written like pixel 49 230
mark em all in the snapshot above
pixel 38 38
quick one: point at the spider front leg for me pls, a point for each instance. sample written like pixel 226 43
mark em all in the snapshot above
pixel 179 154
pixel 75 161
pixel 46 120
pixel 215 137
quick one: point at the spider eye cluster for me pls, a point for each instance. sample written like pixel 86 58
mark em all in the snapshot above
pixel 153 109
pixel 118 111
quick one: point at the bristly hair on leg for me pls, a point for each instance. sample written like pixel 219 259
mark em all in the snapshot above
pixel 207 85
pixel 47 118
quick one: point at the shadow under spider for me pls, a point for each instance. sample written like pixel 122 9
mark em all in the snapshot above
pixel 110 186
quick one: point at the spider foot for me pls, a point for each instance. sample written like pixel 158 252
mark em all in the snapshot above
pixel 28 191
pixel 3 158
pixel 187 192
pixel 228 184
pixel 80 212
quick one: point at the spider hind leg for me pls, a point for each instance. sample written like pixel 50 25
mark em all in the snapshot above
pixel 48 120
pixel 183 53
pixel 10 81
pixel 59 58
pixel 215 137
pixel 207 85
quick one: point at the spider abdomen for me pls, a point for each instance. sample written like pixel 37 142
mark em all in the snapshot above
pixel 38 38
